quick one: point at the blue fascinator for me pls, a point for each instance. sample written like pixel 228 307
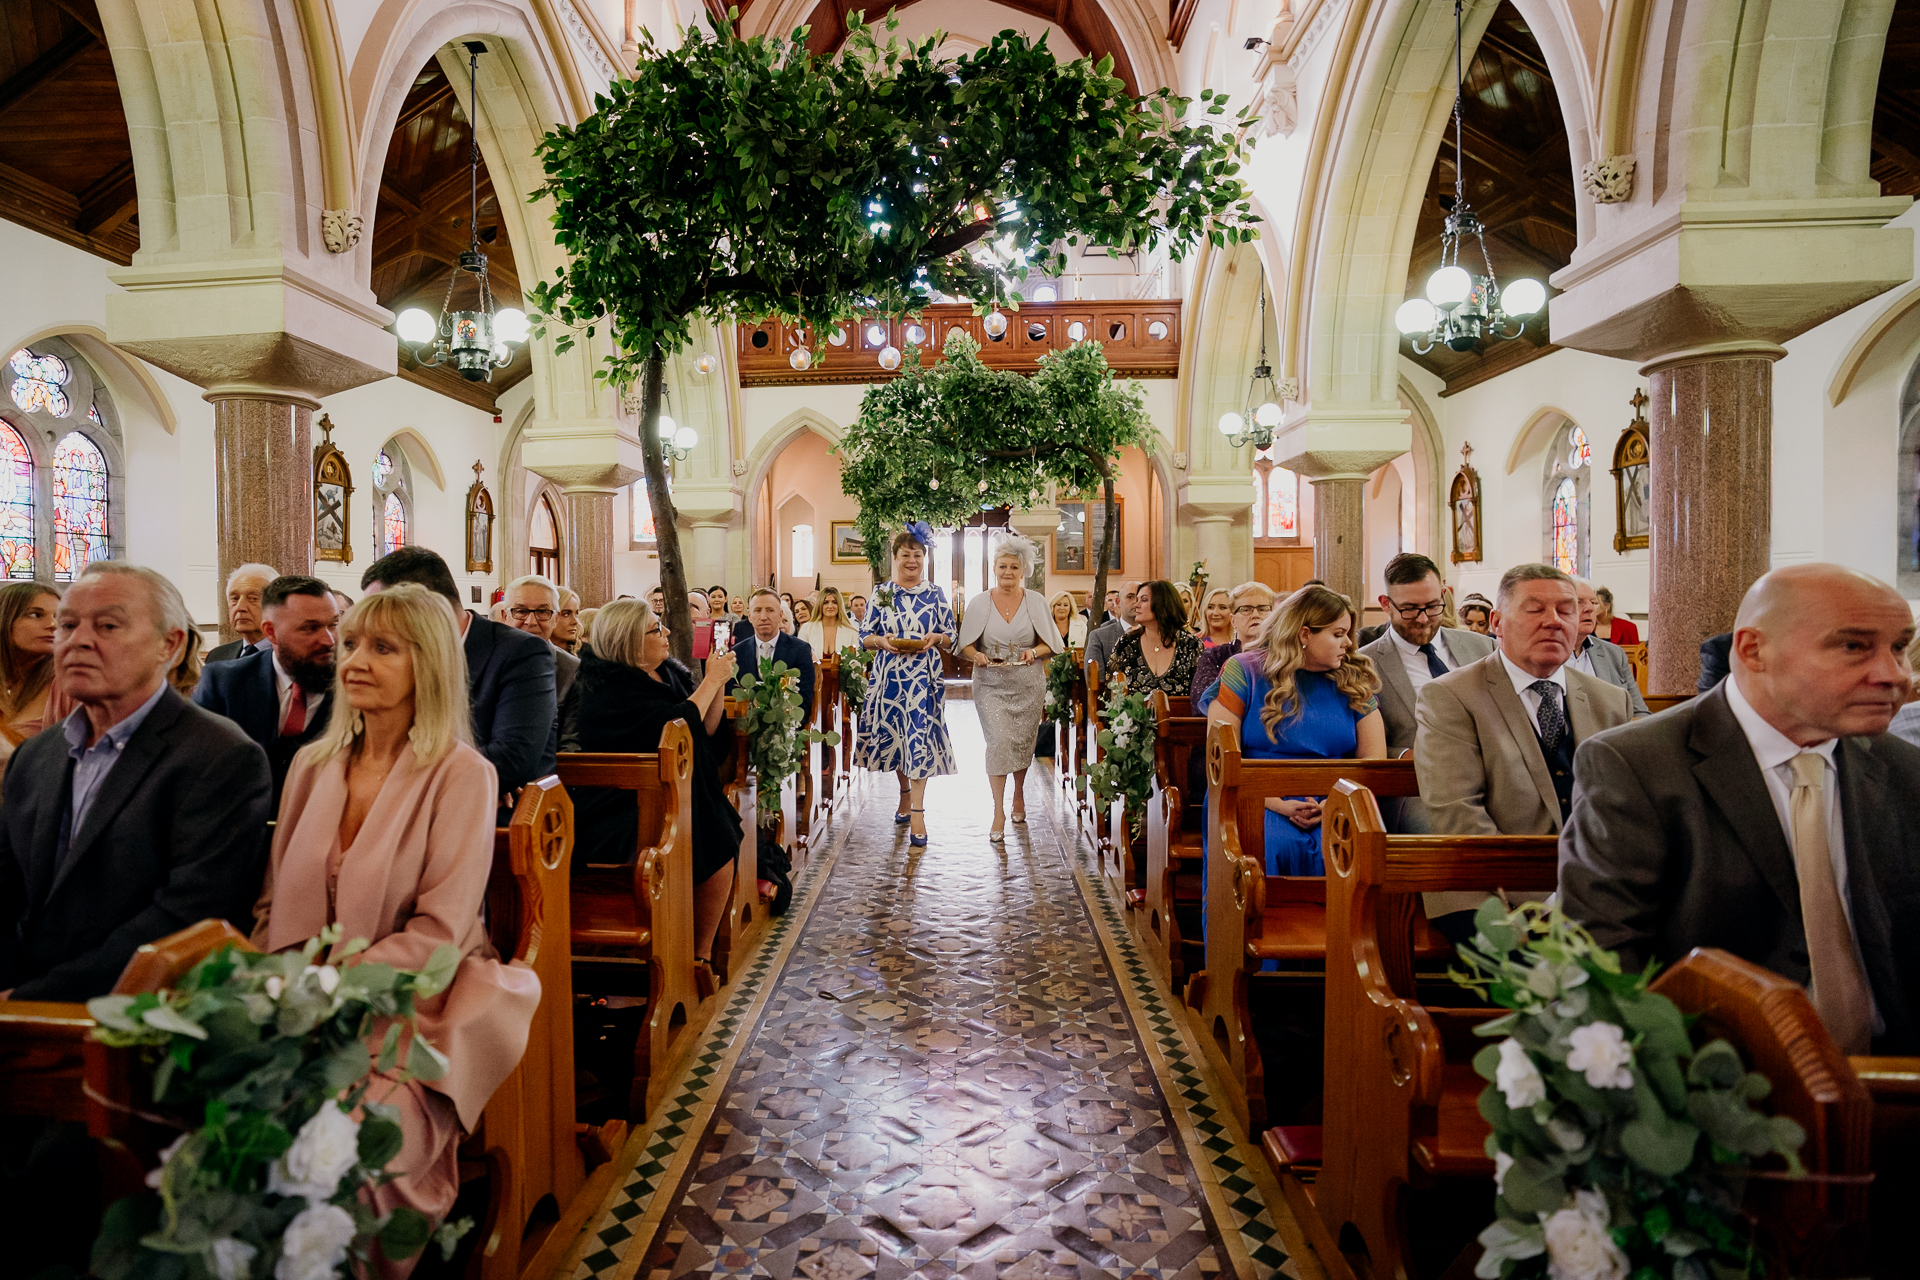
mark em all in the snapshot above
pixel 922 533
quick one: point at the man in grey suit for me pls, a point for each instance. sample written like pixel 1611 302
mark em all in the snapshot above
pixel 1603 658
pixel 1773 816
pixel 1102 639
pixel 139 815
pixel 533 606
pixel 1496 739
pixel 245 613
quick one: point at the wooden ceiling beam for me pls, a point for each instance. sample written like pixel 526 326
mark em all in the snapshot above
pixel 87 15
pixel 424 104
pixel 1506 48
pixel 48 66
pixel 433 203
pixel 109 202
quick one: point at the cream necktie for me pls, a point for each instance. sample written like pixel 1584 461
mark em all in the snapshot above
pixel 1839 989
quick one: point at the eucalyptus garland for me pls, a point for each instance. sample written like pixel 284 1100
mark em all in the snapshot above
pixel 854 661
pixel 777 733
pixel 1125 766
pixel 1063 677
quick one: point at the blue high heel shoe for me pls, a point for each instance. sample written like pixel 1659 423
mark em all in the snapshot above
pixel 918 842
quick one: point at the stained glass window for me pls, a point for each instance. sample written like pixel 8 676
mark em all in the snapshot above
pixel 1259 505
pixel 79 506
pixel 39 383
pixel 393 524
pixel 1578 454
pixel 382 468
pixel 16 504
pixel 643 526
pixel 1283 503
pixel 1566 527
pixel 543 541
pixel 93 416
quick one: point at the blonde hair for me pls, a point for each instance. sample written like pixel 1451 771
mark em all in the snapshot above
pixel 839 602
pixel 620 631
pixel 586 624
pixel 420 619
pixel 1252 589
pixel 1072 605
pixel 1308 609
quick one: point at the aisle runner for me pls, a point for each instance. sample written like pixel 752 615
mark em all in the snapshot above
pixel 944 1079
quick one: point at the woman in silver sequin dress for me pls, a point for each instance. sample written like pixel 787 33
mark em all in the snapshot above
pixel 1008 635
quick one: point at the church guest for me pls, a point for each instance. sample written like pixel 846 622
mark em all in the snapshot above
pixel 1716 661
pixel 30 699
pixel 1068 621
pixel 1159 653
pixel 1247 608
pixel 1304 694
pixel 1008 638
pixel 1620 631
pixel 1495 739
pixel 566 623
pixel 1217 627
pixel 903 724
pixel 586 626
pixel 657 601
pixel 342 599
pixel 766 641
pixel 827 634
pixel 533 606
pixel 510 676
pixel 1189 608
pixel 280 697
pixel 802 613
pixel 244 588
pixel 1603 658
pixel 1906 721
pixel 1476 615
pixel 1773 816
pixel 386 829
pixel 631 691
pixel 141 816
pixel 1102 639
pixel 187 670
pixel 737 608
pixel 856 609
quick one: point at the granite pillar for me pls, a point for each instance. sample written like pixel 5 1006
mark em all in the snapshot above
pixel 1712 505
pixel 1340 535
pixel 590 550
pixel 263 462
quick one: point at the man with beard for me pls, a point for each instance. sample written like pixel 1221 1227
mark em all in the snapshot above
pixel 280 696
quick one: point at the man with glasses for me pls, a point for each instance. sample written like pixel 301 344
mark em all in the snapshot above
pixel 1603 658
pixel 533 606
pixel 1249 604
pixel 1414 649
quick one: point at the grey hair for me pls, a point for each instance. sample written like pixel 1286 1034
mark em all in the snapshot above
pixel 1526 573
pixel 252 570
pixel 169 611
pixel 546 583
pixel 1250 589
pixel 619 630
pixel 1021 549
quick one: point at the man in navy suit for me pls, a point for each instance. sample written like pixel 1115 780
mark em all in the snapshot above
pixel 510 681
pixel 766 640
pixel 280 696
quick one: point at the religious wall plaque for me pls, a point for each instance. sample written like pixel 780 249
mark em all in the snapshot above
pixel 1463 507
pixel 332 487
pixel 479 524
pixel 1633 482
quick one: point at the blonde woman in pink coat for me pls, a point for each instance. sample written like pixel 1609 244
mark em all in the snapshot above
pixel 386 828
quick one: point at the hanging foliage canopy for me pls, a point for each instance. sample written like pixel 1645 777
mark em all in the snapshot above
pixel 735 179
pixel 943 442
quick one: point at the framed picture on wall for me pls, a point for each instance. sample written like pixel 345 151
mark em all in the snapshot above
pixel 332 486
pixel 847 546
pixel 479 525
pixel 1632 484
pixel 1078 534
pixel 1463 504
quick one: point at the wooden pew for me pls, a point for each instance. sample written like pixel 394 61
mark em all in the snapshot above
pixel 1175 846
pixel 1070 736
pixel 1658 702
pixel 1894 1086
pixel 746 917
pixel 1252 917
pixel 638 917
pixel 1124 854
pixel 1085 804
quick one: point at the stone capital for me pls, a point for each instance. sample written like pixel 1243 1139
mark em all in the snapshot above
pixel 1035 522
pixel 708 506
pixel 1343 442
pixel 582 453
pixel 253 328
pixel 1710 273
pixel 1208 498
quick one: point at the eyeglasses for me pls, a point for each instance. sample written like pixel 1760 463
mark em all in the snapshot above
pixel 520 613
pixel 1412 611
pixel 1256 610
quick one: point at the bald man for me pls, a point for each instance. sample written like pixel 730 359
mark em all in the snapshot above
pixel 1773 817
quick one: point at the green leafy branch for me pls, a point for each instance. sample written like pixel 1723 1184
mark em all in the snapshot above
pixel 777 733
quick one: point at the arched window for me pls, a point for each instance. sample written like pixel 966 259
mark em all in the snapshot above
pixel 39 383
pixel 543 541
pixel 1565 501
pixel 16 504
pixel 1276 498
pixel 79 506
pixel 392 500
pixel 642 519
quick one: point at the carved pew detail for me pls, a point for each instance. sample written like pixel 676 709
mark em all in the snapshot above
pixel 1175 842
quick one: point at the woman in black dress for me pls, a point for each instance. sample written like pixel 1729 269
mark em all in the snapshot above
pixel 630 690
pixel 1159 653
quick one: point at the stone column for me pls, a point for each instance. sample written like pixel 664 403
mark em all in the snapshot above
pixel 1712 505
pixel 1340 535
pixel 590 549
pixel 1213 543
pixel 263 463
pixel 708 563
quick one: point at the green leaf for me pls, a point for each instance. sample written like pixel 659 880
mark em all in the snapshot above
pixel 405 1233
pixel 437 974
pixel 379 1142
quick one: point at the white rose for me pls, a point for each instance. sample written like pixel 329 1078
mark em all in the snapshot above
pixel 233 1259
pixel 274 987
pixel 315 1244
pixel 1600 1049
pixel 320 1156
pixel 1517 1077
pixel 153 1176
pixel 326 975
pixel 1501 1163
pixel 1578 1245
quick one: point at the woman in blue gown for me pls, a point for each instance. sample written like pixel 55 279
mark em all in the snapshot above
pixel 1303 694
pixel 903 724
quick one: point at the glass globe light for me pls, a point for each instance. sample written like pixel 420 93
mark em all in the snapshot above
pixel 1268 414
pixel 707 362
pixel 667 427
pixel 1523 297
pixel 501 352
pixel 1232 424
pixel 889 357
pixel 1416 315
pixel 415 326
pixel 1448 287
pixel 801 359
pixel 685 438
pixel 995 324
pixel 510 325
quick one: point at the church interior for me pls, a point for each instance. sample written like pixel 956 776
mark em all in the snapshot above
pixel 1585 325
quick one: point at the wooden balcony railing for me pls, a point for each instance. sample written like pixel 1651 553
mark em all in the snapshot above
pixel 1141 340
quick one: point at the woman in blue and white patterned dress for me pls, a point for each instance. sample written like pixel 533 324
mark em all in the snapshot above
pixel 903 723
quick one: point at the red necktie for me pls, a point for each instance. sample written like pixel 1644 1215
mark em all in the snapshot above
pixel 296 722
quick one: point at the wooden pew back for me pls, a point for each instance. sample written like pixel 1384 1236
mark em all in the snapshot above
pixel 746 917
pixel 1174 834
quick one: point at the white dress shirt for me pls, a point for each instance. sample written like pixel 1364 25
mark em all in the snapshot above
pixel 1774 752
pixel 1415 661
pixel 1582 659
pixel 1522 685
pixel 284 683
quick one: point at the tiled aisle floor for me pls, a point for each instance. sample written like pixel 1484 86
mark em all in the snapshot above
pixel 945 1078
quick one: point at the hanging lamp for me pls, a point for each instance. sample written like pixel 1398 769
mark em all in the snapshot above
pixel 1256 425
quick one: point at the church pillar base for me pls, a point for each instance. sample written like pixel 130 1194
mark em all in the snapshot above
pixel 1340 536
pixel 590 553
pixel 263 459
pixel 1712 503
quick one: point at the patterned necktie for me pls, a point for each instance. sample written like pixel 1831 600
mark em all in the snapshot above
pixel 1839 989
pixel 1435 667
pixel 296 722
pixel 1553 716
